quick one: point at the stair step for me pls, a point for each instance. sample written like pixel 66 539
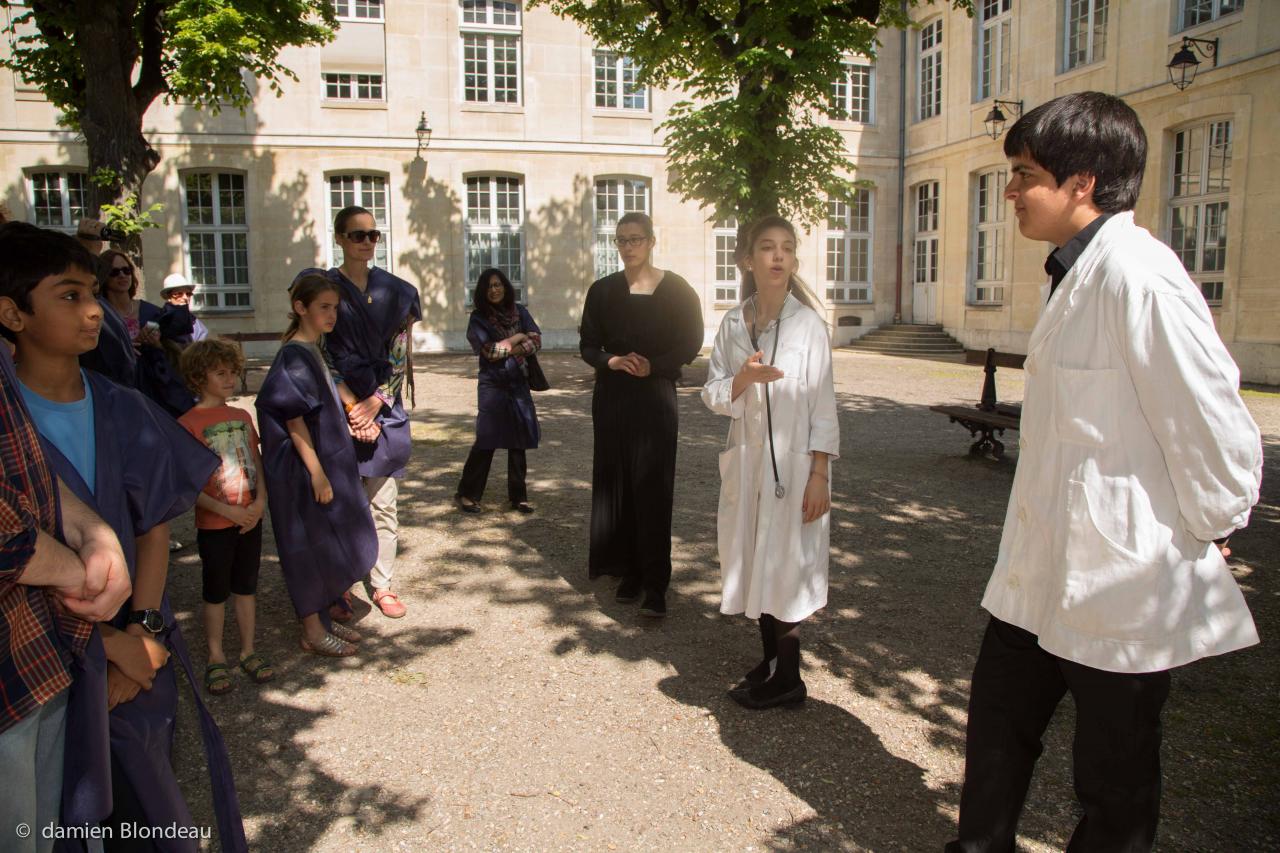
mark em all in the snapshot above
pixel 906 347
pixel 909 339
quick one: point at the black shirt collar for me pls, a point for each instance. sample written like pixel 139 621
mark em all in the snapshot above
pixel 1060 261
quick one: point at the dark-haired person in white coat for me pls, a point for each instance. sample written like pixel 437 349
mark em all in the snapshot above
pixel 1137 459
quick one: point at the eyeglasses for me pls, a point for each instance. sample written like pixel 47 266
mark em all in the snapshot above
pixel 360 236
pixel 120 271
pixel 633 242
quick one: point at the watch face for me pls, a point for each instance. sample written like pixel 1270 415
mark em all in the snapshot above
pixel 152 621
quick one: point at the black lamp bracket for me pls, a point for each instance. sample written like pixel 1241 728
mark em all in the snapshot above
pixel 1208 48
pixel 1013 105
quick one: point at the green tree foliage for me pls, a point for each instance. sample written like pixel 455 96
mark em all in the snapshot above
pixel 104 63
pixel 752 139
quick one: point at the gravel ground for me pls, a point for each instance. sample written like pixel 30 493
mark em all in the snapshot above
pixel 518 707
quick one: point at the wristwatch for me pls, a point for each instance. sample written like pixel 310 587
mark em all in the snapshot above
pixel 152 621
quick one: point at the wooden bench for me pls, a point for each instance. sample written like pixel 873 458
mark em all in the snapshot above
pixel 252 337
pixel 987 418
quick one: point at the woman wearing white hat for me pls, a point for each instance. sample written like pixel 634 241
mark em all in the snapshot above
pixel 177 292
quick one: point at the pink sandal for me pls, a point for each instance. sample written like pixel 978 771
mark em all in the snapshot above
pixel 389 603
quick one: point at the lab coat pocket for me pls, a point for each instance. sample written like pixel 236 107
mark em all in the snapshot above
pixel 1085 405
pixel 804 540
pixel 1111 589
pixel 730 475
pixel 791 361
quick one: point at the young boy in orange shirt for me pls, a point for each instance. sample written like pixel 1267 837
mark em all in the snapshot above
pixel 229 510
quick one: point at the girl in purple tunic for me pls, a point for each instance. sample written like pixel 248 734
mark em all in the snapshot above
pixel 324 532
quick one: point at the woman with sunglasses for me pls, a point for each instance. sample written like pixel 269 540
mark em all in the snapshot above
pixel 145 326
pixel 640 325
pixel 371 347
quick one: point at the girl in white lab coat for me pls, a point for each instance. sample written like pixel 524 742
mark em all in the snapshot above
pixel 771 374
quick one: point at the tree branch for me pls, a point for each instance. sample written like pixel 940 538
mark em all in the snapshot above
pixel 151 83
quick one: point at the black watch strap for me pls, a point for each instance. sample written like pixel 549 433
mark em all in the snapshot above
pixel 151 620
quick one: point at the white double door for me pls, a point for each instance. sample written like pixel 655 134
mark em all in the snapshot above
pixel 924 292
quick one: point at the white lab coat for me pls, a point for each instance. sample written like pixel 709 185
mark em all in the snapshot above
pixel 1136 452
pixel 769 561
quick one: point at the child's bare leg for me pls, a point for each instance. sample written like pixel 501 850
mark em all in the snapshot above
pixel 214 617
pixel 245 615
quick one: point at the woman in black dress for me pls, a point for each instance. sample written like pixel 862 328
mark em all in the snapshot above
pixel 639 326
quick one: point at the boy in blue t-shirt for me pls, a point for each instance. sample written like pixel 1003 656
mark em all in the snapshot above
pixel 137 468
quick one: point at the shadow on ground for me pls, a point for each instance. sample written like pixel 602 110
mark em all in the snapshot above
pixel 876 753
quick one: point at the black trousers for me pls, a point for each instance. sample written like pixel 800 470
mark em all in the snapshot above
pixel 475 474
pixel 1116 753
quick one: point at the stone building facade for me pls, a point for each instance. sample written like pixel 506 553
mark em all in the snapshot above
pixel 540 140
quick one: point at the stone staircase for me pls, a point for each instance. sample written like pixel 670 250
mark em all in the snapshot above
pixel 910 341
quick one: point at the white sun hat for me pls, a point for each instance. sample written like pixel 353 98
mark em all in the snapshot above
pixel 175 281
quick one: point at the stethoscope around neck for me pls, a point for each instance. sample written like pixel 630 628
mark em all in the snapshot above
pixel 779 490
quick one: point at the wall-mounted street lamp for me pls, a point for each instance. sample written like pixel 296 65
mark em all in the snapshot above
pixel 424 133
pixel 995 120
pixel 1183 66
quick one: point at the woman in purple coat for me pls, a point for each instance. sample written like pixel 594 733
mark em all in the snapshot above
pixel 504 336
pixel 371 347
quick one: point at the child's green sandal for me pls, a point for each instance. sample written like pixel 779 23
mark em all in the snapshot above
pixel 257 668
pixel 217 679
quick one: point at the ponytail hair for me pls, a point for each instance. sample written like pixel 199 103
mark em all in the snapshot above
pixel 305 289
pixel 796 286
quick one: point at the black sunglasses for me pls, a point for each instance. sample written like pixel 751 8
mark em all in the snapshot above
pixel 359 236
pixel 120 271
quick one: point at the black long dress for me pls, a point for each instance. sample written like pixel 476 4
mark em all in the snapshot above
pixel 635 422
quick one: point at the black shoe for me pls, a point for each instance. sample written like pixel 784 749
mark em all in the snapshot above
pixel 628 591
pixel 756 677
pixel 761 697
pixel 655 605
pixel 472 507
pixel 522 506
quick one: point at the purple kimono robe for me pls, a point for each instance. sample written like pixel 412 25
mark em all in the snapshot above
pixel 114 356
pixel 148 471
pixel 366 347
pixel 158 378
pixel 323 548
pixel 505 414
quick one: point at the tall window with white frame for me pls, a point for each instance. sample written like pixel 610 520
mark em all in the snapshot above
pixel 357 10
pixel 491 51
pixel 615 197
pixel 724 236
pixel 215 237
pixel 495 229
pixel 995 48
pixel 849 249
pixel 926 233
pixel 57 199
pixel 1084 32
pixel 369 192
pixel 1201 181
pixel 616 86
pixel 990 237
pixel 1195 12
pixel 853 92
pixel 929 71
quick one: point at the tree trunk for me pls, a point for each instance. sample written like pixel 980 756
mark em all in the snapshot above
pixel 112 119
